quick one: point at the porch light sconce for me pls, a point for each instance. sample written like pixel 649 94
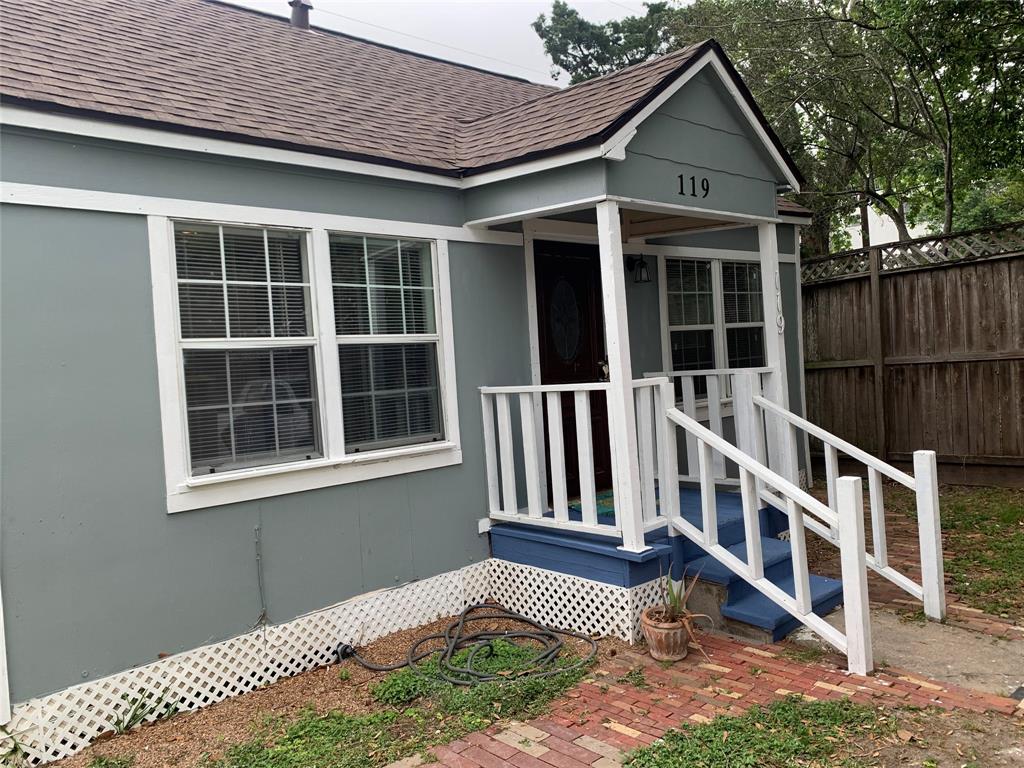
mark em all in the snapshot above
pixel 638 266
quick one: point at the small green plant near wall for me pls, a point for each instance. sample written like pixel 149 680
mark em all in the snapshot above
pixel 790 732
pixel 102 761
pixel 11 751
pixel 419 711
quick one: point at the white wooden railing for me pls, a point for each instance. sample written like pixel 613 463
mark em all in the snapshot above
pixel 924 483
pixel 803 510
pixel 517 470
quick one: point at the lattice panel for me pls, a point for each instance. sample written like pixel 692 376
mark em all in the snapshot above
pixel 641 598
pixel 922 252
pixel 561 600
pixel 59 725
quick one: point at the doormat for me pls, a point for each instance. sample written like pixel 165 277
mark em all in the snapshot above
pixel 605 504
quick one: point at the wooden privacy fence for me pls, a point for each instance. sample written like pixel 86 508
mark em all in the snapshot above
pixel 920 344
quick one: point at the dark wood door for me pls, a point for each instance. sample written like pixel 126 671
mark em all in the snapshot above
pixel 572 350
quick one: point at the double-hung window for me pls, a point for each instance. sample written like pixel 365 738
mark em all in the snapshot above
pixel 248 347
pixel 384 308
pixel 300 350
pixel 715 315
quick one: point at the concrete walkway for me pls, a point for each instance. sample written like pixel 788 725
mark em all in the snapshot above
pixel 603 718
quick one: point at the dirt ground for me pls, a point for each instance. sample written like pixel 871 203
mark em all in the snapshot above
pixel 187 739
pixel 932 739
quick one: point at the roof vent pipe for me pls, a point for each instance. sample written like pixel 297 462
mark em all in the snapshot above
pixel 300 13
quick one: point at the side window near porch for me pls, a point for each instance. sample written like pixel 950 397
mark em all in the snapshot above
pixel 715 316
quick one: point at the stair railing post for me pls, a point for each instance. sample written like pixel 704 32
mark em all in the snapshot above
pixel 929 531
pixel 850 498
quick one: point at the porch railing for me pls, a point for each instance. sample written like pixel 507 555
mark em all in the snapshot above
pixel 516 421
pixel 924 483
pixel 802 509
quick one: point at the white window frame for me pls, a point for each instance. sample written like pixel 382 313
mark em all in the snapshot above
pixel 719 325
pixel 337 467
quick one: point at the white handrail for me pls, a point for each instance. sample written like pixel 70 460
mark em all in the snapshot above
pixel 589 386
pixel 760 471
pixel 837 442
pixel 707 372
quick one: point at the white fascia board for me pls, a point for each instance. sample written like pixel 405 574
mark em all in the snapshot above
pixel 173 208
pixel 653 206
pixel 711 58
pixel 155 137
pixel 533 213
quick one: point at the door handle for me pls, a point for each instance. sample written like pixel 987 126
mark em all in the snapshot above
pixel 603 365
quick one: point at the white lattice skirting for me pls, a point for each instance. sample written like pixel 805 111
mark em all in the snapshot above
pixel 60 724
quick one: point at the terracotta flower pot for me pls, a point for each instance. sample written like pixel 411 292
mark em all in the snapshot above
pixel 667 640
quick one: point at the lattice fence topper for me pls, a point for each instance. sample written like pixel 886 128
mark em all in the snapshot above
pixel 922 252
pixel 60 724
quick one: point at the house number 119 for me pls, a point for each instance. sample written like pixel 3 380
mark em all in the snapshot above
pixel 693 186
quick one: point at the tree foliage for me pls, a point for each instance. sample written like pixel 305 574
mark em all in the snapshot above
pixel 915 107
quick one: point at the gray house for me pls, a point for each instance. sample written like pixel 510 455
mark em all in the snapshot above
pixel 308 339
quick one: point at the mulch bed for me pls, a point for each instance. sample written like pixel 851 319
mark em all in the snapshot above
pixel 187 739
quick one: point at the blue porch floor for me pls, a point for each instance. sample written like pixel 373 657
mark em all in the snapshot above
pixel 598 558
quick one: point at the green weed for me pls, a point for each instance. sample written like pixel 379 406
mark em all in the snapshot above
pixel 787 733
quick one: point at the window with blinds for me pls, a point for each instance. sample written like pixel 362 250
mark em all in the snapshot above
pixel 691 317
pixel 743 313
pixel 385 318
pixel 248 348
pixel 715 315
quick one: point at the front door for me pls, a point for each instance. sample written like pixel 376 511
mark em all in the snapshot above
pixel 571 336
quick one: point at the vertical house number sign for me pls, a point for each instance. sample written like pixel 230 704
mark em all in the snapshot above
pixel 694 186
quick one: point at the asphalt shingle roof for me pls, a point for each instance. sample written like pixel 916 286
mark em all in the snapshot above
pixel 205 67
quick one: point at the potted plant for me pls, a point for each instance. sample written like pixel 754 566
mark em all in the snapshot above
pixel 668 626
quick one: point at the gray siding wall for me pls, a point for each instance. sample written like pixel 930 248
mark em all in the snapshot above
pixel 699 132
pixel 96 575
pixel 59 160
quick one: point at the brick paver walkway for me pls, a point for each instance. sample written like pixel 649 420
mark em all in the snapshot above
pixel 603 718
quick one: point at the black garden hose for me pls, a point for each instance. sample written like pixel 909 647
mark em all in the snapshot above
pixel 456 638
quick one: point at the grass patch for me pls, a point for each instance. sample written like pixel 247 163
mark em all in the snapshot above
pixel 101 761
pixel 791 732
pixel 984 547
pixel 635 677
pixel 805 654
pixel 417 712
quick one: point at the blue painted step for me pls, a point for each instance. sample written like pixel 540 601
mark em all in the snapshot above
pixel 756 609
pixel 743 602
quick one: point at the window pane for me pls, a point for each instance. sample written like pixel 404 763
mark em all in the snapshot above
pixel 249 311
pixel 201 309
pixel 382 262
pixel 291 310
pixel 746 347
pixel 250 408
pixel 386 314
pixel 351 310
pixel 741 285
pixel 382 286
pixel 416 264
pixel 245 258
pixel 693 351
pixel 348 260
pixel 390 395
pixel 284 252
pixel 688 288
pixel 252 259
pixel 197 252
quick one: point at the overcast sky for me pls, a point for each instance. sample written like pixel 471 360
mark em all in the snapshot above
pixel 494 35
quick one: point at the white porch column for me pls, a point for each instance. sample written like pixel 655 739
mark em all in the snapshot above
pixel 621 413
pixel 779 436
